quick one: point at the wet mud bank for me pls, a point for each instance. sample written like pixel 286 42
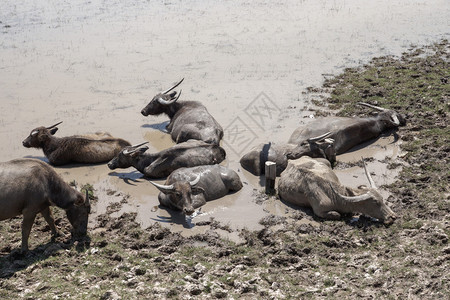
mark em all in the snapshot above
pixel 292 254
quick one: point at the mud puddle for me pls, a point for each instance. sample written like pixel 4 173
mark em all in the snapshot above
pixel 95 67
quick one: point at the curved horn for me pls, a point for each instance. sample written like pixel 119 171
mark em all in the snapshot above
pixel 372 106
pixel 195 181
pixel 320 137
pixel 354 199
pixel 369 177
pixel 163 188
pixel 138 145
pixel 168 90
pixel 128 151
pixel 168 102
pixel 359 198
pixel 54 125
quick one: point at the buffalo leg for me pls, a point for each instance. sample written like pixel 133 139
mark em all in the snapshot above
pixel 47 214
pixel 27 223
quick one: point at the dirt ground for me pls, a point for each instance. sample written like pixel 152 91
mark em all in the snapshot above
pixel 95 67
pixel 293 256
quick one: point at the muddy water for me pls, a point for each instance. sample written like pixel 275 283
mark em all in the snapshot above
pixel 95 66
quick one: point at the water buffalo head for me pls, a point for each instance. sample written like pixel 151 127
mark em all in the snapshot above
pixel 127 156
pixel 78 214
pixel 370 203
pixel 162 101
pixel 39 136
pixel 390 118
pixel 180 194
pixel 254 161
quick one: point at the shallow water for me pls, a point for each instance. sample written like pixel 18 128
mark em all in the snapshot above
pixel 95 66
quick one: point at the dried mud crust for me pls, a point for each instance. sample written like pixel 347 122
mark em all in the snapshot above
pixel 298 256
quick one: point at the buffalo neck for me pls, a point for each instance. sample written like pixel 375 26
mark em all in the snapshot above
pixel 51 144
pixel 143 161
pixel 61 193
pixel 173 109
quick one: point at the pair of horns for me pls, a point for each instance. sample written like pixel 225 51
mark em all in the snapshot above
pixel 319 138
pixel 394 117
pixel 365 196
pixel 168 188
pixel 166 102
pixel 133 148
pixel 54 125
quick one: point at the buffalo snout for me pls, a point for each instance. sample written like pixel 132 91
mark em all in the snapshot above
pixel 144 112
pixel 26 144
pixel 111 165
pixel 188 210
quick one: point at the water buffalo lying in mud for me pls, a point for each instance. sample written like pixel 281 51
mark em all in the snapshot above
pixel 188 119
pixel 311 182
pixel 254 161
pixel 189 188
pixel 156 165
pixel 29 187
pixel 97 148
pixel 349 132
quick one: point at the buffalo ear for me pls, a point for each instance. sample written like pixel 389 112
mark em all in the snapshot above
pixel 138 151
pixel 53 130
pixel 172 94
pixel 197 190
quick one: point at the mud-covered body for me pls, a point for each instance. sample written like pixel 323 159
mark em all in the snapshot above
pixel 188 119
pixel 312 183
pixel 254 161
pixel 94 148
pixel 156 165
pixel 29 187
pixel 189 188
pixel 349 132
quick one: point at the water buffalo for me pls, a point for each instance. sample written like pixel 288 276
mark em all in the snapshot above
pixel 97 148
pixel 156 165
pixel 189 188
pixel 320 146
pixel 349 132
pixel 311 182
pixel 29 187
pixel 188 119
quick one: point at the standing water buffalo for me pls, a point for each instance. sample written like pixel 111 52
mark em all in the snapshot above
pixel 188 119
pixel 74 149
pixel 254 161
pixel 156 165
pixel 189 188
pixel 349 132
pixel 311 182
pixel 29 187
